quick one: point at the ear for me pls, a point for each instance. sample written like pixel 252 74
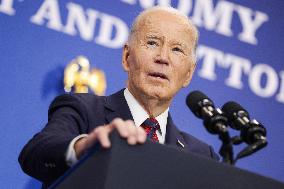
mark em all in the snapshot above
pixel 189 75
pixel 125 56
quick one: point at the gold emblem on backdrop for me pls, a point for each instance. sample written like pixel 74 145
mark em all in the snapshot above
pixel 79 78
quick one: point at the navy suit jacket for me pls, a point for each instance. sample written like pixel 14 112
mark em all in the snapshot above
pixel 43 157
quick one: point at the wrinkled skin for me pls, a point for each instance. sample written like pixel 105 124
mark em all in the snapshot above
pixel 159 60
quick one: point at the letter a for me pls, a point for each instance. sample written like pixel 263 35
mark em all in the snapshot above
pixel 49 10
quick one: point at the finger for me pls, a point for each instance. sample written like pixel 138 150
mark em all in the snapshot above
pixel 102 135
pixel 141 135
pixel 120 125
pixel 92 136
pixel 132 132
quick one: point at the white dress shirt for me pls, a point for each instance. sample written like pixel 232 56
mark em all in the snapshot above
pixel 139 116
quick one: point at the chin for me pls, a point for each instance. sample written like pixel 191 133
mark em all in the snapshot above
pixel 158 92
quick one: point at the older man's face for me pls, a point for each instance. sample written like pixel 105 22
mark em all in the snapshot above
pixel 159 58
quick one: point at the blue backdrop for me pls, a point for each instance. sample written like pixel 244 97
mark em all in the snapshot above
pixel 240 58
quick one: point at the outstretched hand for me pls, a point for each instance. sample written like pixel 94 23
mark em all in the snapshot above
pixel 126 129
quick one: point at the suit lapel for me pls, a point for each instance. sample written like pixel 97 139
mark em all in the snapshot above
pixel 173 135
pixel 116 107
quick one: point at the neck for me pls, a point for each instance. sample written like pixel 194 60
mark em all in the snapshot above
pixel 153 106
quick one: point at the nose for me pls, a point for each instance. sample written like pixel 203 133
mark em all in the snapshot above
pixel 163 56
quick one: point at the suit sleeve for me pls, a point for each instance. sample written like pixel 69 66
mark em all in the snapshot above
pixel 43 157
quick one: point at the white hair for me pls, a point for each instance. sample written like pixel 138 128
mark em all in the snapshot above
pixel 170 10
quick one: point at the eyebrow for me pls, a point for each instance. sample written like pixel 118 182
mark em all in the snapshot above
pixel 183 45
pixel 153 36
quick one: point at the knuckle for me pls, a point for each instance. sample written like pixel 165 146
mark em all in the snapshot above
pixel 99 130
pixel 117 124
pixel 129 122
pixel 132 129
pixel 116 121
pixel 141 130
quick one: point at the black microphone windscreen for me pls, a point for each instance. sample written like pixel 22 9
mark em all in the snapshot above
pixel 193 99
pixel 231 107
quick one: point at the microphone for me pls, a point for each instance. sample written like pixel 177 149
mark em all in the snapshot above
pixel 252 132
pixel 203 108
pixel 238 117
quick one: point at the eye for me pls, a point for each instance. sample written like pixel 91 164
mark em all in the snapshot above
pixel 152 43
pixel 177 49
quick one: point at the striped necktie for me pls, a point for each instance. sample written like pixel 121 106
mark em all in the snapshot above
pixel 151 125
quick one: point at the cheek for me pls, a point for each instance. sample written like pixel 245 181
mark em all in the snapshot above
pixel 133 63
pixel 136 70
pixel 181 73
pixel 140 63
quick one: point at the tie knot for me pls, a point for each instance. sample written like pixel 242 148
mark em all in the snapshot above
pixel 151 122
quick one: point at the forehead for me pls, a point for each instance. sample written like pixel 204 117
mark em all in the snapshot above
pixel 167 25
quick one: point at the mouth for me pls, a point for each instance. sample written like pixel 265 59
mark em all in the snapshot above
pixel 158 75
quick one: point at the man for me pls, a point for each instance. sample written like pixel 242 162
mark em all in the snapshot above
pixel 159 59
